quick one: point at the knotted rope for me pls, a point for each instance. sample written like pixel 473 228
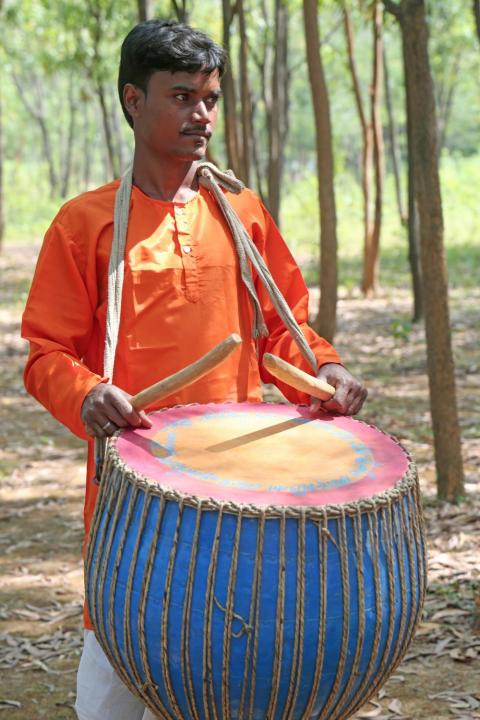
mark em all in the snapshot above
pixel 114 291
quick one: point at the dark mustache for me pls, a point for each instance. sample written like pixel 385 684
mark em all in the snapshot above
pixel 194 129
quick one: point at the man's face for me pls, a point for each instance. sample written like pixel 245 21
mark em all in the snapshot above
pixel 177 115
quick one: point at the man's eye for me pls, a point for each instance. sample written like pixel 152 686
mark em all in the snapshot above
pixel 212 101
pixel 181 96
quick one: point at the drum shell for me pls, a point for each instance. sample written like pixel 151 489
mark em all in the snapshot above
pixel 212 611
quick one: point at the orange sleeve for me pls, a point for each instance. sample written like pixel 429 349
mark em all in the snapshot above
pixel 57 322
pixel 291 284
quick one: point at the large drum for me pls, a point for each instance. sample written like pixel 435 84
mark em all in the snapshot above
pixel 255 561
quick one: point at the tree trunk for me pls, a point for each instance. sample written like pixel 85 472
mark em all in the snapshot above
pixel 246 111
pixel 181 11
pixel 277 129
pixel 413 219
pixel 145 11
pixel 113 169
pixel 367 144
pixel 116 124
pixel 37 112
pixel 476 15
pixel 372 248
pixel 256 160
pixel 414 242
pixel 394 149
pixel 326 320
pixel 87 150
pixel 445 102
pixel 441 369
pixel 229 96
pixel 2 194
pixel 72 106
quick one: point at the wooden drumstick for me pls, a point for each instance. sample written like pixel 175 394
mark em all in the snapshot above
pixel 298 379
pixel 187 375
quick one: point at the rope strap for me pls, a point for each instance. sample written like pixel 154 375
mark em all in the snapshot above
pixel 116 271
pixel 211 178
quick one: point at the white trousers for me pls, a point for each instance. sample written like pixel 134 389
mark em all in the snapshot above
pixel 101 695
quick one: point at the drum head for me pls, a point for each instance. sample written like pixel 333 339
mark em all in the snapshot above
pixel 263 454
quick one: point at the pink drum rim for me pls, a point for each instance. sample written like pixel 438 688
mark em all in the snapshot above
pixel 258 504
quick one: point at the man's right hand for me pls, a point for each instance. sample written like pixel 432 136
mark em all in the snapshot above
pixel 106 408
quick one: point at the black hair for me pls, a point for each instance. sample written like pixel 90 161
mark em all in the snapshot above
pixel 165 45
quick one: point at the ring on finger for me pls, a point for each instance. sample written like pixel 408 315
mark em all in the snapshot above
pixel 107 425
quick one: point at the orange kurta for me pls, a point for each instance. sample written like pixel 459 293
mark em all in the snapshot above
pixel 182 295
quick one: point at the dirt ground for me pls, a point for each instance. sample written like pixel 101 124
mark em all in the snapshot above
pixel 41 492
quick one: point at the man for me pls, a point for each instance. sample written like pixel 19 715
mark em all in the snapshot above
pixel 182 291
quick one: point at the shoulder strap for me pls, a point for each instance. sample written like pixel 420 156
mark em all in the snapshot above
pixel 209 177
pixel 213 179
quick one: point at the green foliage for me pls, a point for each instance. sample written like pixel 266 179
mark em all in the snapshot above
pixel 460 178
pixel 74 43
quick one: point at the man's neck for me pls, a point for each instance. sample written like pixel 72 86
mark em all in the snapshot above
pixel 165 179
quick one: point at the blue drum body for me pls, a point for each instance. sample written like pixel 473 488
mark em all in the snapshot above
pixel 211 611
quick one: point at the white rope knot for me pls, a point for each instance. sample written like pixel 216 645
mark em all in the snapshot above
pixel 209 172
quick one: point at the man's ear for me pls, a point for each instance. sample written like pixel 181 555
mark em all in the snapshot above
pixel 133 99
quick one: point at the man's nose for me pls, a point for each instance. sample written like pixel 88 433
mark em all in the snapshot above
pixel 200 113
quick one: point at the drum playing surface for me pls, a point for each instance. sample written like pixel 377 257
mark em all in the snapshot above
pixel 263 454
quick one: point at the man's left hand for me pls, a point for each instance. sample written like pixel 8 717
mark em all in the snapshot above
pixel 349 392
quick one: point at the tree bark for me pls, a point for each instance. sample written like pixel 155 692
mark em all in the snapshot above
pixel 87 150
pixel 367 134
pixel 256 161
pixel 394 149
pixel 181 11
pixel 476 15
pixel 113 168
pixel 441 369
pixel 370 157
pixel 245 100
pixel 372 237
pixel 277 126
pixel 413 219
pixel 326 321
pixel 72 107
pixel 95 74
pixel 445 99
pixel 2 193
pixel 116 124
pixel 370 279
pixel 38 114
pixel 145 11
pixel 229 96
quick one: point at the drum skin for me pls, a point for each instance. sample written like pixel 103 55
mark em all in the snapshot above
pixel 215 609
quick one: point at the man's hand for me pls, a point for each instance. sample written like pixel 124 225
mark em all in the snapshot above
pixel 107 408
pixel 349 393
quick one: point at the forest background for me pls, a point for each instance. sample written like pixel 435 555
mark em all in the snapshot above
pixel 62 132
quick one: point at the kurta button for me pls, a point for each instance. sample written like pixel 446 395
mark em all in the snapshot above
pixel 187 249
